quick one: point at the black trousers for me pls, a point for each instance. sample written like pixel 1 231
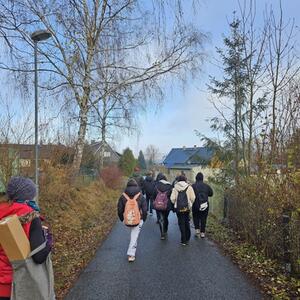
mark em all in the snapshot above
pixel 199 219
pixel 4 298
pixel 163 221
pixel 184 226
pixel 149 203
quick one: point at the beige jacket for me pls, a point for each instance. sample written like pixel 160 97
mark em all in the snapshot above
pixel 180 186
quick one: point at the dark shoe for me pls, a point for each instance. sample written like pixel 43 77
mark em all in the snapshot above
pixel 184 244
pixel 162 237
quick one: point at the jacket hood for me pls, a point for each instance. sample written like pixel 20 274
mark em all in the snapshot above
pixel 181 185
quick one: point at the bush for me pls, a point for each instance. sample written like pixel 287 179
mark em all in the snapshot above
pixel 256 209
pixel 112 177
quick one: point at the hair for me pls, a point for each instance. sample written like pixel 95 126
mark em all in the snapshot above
pixel 160 176
pixel 132 182
pixel 181 178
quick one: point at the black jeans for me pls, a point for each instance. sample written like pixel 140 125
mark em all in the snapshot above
pixel 184 226
pixel 149 203
pixel 163 221
pixel 199 219
pixel 4 298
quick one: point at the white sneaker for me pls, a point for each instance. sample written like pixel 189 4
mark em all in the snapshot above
pixel 131 258
pixel 202 234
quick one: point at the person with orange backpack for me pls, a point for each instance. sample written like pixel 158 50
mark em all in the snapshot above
pixel 132 210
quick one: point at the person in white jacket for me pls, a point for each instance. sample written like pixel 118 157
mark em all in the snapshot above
pixel 183 197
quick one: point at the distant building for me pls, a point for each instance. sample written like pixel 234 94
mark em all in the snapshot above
pixel 19 159
pixel 190 161
pixel 110 156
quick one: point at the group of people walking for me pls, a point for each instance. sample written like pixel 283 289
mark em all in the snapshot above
pixel 140 197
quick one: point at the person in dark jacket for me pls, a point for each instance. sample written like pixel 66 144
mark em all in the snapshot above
pixel 201 206
pixel 163 186
pixel 132 189
pixel 148 188
pixel 20 194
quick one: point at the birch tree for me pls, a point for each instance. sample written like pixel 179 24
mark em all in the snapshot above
pixel 70 60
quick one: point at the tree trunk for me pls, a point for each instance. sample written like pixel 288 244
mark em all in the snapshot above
pixel 80 142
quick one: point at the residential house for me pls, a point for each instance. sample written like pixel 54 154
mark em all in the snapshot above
pixel 110 156
pixel 190 161
pixel 19 159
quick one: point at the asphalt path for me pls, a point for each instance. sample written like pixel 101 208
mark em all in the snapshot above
pixel 162 270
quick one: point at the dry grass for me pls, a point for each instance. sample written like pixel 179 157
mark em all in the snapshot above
pixel 80 218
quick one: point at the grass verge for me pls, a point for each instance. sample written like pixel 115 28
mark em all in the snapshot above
pixel 269 274
pixel 80 219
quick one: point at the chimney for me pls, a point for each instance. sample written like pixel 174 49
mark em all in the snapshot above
pixel 195 146
pixel 183 147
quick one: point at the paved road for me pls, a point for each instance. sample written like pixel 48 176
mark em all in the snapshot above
pixel 162 270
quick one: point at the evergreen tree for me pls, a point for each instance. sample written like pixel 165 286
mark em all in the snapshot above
pixel 232 87
pixel 127 162
pixel 142 161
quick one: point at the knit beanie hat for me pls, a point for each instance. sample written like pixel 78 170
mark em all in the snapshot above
pixel 199 177
pixel 21 188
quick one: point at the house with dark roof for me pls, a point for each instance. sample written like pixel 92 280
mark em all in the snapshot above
pixel 19 159
pixel 188 160
pixel 110 156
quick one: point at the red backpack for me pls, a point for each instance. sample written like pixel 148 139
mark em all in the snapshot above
pixel 161 201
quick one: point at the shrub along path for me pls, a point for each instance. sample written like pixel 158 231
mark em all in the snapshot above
pixel 162 270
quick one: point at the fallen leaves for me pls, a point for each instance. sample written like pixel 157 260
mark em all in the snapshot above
pixel 87 217
pixel 268 273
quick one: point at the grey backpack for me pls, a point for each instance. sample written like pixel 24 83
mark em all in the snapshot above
pixel 32 280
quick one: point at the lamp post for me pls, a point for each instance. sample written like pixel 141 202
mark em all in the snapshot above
pixel 37 36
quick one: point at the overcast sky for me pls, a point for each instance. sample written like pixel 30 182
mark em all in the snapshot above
pixel 183 112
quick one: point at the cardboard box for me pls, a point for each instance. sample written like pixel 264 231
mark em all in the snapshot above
pixel 13 238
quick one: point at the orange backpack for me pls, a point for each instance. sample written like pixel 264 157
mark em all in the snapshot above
pixel 132 214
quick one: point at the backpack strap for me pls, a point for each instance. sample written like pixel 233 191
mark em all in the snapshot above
pixel 134 198
pixel 126 196
pixel 137 196
pixel 38 249
pixel 186 188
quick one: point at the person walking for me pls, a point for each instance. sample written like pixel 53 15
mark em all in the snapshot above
pixel 162 203
pixel 148 188
pixel 20 194
pixel 201 206
pixel 183 197
pixel 132 210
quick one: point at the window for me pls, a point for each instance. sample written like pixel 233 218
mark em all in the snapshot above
pixel 106 154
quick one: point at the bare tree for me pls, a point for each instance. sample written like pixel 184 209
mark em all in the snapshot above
pixel 152 153
pixel 79 33
pixel 281 65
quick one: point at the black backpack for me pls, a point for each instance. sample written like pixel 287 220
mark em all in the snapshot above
pixel 182 201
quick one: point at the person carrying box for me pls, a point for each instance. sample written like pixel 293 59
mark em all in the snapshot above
pixel 20 194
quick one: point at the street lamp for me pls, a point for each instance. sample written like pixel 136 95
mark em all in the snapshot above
pixel 37 36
